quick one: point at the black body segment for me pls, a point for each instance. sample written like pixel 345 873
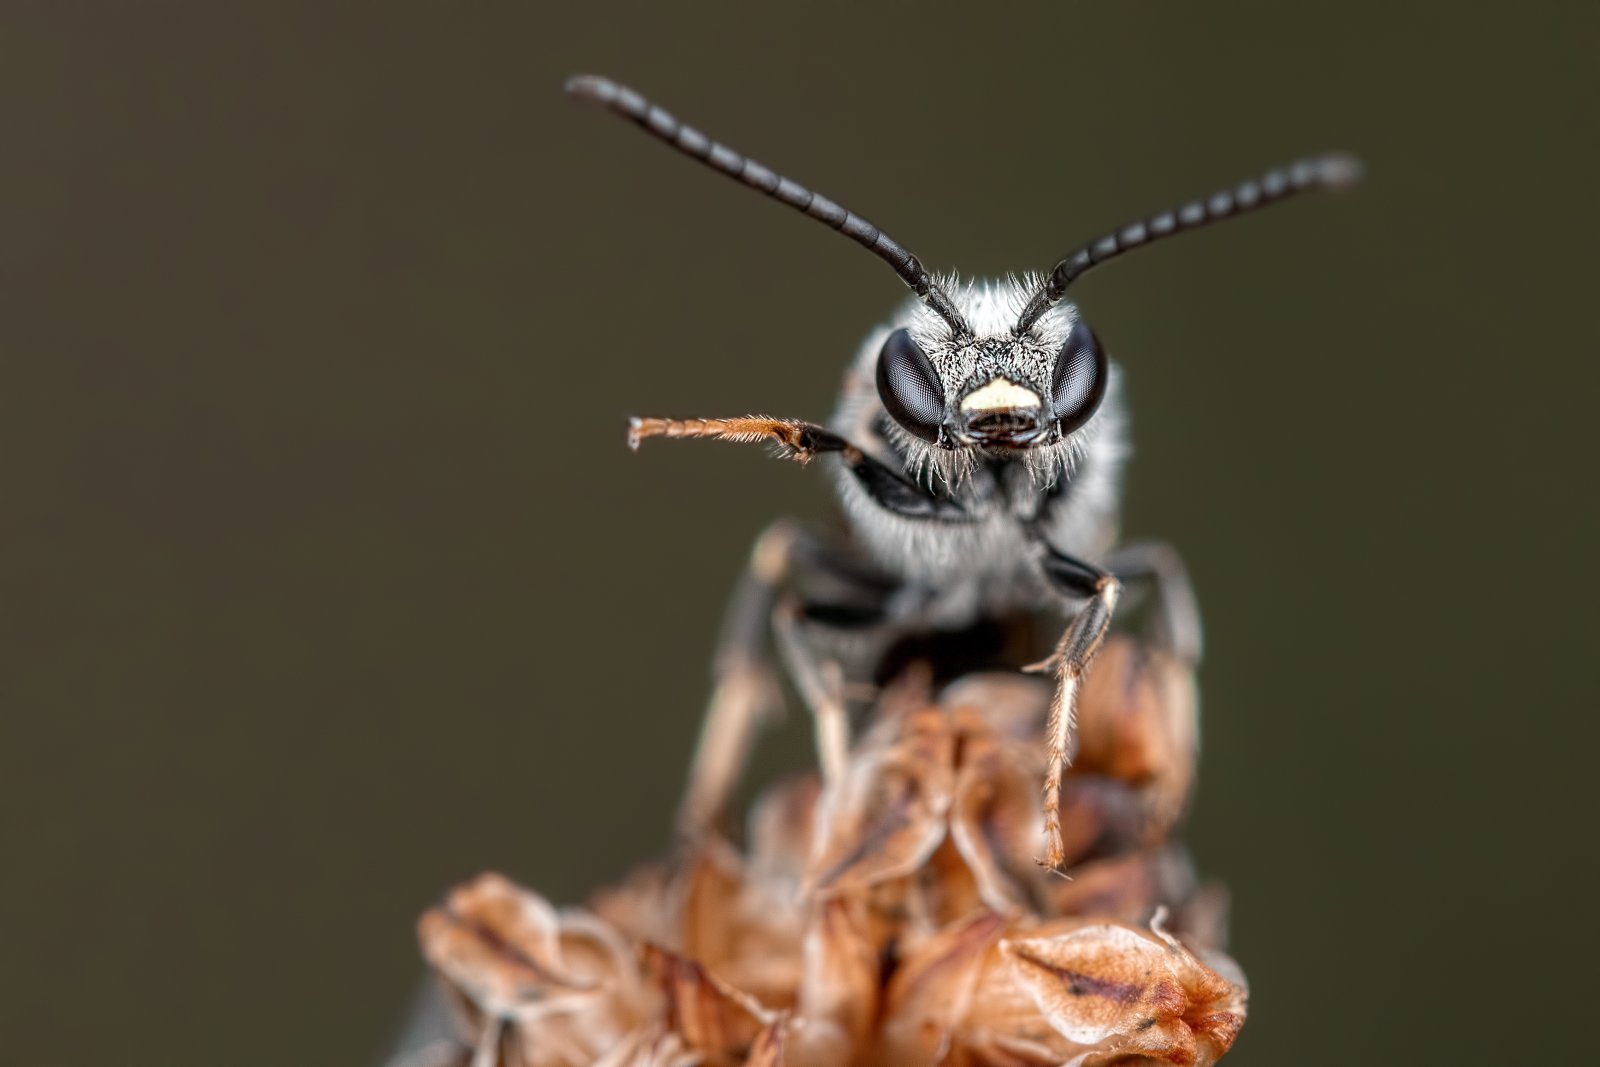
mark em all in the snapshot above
pixel 894 492
pixel 1069 576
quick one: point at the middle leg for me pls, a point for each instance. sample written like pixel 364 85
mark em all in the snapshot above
pixel 820 682
pixel 1177 616
pixel 745 686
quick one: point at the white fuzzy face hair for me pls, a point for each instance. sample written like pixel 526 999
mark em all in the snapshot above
pixel 955 399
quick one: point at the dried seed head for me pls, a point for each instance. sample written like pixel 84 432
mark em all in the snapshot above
pixel 710 1016
pixel 1138 724
pixel 994 990
pixel 895 916
pixel 1111 989
pixel 519 973
pixel 886 815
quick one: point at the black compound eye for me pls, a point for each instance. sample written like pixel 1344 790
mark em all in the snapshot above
pixel 1080 379
pixel 909 386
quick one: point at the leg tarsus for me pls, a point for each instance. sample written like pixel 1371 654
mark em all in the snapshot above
pixel 1059 735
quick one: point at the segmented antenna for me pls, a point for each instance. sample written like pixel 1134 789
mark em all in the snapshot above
pixel 691 142
pixel 1322 172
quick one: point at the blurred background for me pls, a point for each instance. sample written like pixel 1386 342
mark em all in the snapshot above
pixel 326 580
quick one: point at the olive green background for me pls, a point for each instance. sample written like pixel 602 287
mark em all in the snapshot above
pixel 326 580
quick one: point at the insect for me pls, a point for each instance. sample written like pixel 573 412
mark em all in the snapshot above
pixel 976 451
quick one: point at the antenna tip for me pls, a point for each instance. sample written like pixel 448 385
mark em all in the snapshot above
pixel 1340 171
pixel 592 86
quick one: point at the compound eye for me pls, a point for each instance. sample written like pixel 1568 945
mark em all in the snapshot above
pixel 1080 379
pixel 909 386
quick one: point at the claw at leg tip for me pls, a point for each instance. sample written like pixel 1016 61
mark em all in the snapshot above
pixel 1052 861
pixel 1055 853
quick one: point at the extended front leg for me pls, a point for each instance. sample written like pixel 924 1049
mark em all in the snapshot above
pixel 795 439
pixel 1074 579
pixel 804 441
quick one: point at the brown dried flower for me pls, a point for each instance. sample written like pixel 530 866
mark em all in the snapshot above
pixel 896 916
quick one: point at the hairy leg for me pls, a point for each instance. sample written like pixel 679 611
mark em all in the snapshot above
pixel 1074 579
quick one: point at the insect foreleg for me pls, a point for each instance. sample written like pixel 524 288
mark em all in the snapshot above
pixel 794 438
pixel 803 442
pixel 1074 579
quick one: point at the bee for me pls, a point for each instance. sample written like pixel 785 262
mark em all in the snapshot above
pixel 976 452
